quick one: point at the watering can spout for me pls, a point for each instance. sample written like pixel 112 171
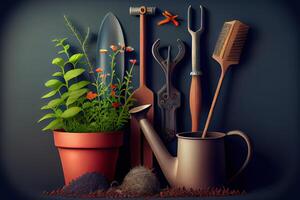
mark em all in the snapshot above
pixel 167 162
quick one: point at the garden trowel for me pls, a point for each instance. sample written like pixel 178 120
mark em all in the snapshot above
pixel 110 33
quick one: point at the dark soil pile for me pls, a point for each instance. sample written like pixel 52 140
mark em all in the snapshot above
pixel 85 184
pixel 93 185
pixel 168 192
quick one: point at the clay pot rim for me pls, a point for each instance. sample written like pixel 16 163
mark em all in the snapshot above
pixel 61 131
pixel 111 139
pixel 212 135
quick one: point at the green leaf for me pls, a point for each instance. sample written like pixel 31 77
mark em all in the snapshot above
pixel 75 58
pixel 61 52
pixel 53 83
pixel 87 105
pixel 79 85
pixel 49 94
pixel 55 124
pixel 58 112
pixel 45 107
pixel 74 96
pixel 55 102
pixel 57 74
pixel 73 73
pixel 47 116
pixel 71 112
pixel 66 47
pixel 78 92
pixel 62 40
pixel 58 61
pixel 65 95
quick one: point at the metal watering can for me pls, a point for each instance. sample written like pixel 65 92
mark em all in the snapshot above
pixel 200 162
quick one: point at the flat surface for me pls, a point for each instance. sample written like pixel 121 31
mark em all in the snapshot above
pixel 260 96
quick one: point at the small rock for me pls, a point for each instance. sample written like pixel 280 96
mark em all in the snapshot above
pixel 140 181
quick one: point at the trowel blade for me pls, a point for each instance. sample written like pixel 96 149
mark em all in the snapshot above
pixel 110 33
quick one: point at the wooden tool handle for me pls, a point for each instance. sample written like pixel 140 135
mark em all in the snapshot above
pixel 142 50
pixel 195 102
pixel 213 104
pixel 146 149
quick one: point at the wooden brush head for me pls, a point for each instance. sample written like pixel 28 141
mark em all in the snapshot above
pixel 230 43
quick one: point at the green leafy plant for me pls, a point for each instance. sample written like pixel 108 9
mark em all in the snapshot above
pixel 79 104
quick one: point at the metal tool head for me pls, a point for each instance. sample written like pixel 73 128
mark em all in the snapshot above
pixel 196 70
pixel 162 61
pixel 168 96
pixel 142 10
pixel 201 29
pixel 110 33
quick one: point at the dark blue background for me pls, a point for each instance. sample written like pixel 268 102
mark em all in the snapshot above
pixel 260 96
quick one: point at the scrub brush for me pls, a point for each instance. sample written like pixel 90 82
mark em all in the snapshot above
pixel 227 52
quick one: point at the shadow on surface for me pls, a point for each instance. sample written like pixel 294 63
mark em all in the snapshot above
pixel 259 174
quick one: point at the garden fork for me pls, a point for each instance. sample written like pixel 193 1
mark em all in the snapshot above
pixel 195 89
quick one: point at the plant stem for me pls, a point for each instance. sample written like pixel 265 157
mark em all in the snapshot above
pixel 123 109
pixel 128 81
pixel 112 68
pixel 112 65
pixel 67 83
pixel 126 92
pixel 66 52
pixel 82 44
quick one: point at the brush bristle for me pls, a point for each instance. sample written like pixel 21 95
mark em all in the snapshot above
pixel 230 42
pixel 221 40
pixel 238 44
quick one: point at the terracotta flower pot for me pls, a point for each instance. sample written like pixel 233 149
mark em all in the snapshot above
pixel 88 152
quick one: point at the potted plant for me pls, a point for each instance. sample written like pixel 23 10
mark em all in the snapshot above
pixel 87 115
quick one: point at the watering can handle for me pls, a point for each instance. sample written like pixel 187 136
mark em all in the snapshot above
pixel 249 150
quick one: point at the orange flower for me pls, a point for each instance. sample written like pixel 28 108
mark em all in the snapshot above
pixel 103 51
pixel 113 86
pixel 99 70
pixel 115 104
pixel 113 93
pixel 114 48
pixel 132 61
pixel 129 49
pixel 91 95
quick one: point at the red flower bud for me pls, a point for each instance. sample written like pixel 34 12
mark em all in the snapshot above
pixel 115 104
pixel 132 61
pixel 129 49
pixel 113 86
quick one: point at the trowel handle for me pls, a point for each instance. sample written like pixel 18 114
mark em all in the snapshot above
pixel 142 60
pixel 195 102
pixel 249 150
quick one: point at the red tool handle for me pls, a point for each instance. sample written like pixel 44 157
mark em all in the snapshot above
pixel 142 50
pixel 195 102
pixel 147 151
